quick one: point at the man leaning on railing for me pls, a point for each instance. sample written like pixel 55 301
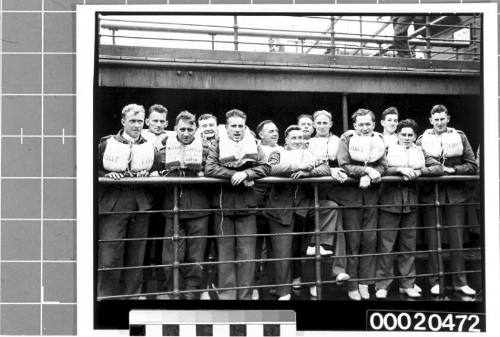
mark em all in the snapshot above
pixel 236 156
pixel 451 147
pixel 361 154
pixel 124 154
pixel 184 156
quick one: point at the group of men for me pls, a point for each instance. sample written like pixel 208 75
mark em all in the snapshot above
pixel 360 237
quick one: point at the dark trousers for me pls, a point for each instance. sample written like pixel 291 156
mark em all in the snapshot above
pixel 282 249
pixel 453 216
pixel 361 243
pixel 189 251
pixel 401 25
pixel 385 244
pixel 121 254
pixel 235 248
pixel 263 272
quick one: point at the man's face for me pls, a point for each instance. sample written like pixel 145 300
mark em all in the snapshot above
pixel 133 123
pixel 235 128
pixel 295 139
pixel 364 125
pixel 439 121
pixel 185 131
pixel 389 123
pixel 208 128
pixel 307 127
pixel 406 137
pixel 322 124
pixel 269 134
pixel 157 122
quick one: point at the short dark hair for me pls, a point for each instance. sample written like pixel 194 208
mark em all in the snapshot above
pixel 206 116
pixel 262 124
pixel 185 116
pixel 157 108
pixel 235 113
pixel 135 108
pixel 305 116
pixel 292 128
pixel 362 112
pixel 438 108
pixel 392 110
pixel 407 123
pixel 322 112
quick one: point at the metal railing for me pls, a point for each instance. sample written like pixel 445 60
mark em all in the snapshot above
pixel 333 40
pixel 176 182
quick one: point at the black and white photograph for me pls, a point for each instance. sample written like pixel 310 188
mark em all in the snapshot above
pixel 329 163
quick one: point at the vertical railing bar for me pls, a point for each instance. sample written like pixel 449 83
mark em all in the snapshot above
pixel 235 27
pixel 438 240
pixel 175 239
pixel 361 33
pixel 428 37
pixel 213 41
pixel 332 34
pixel 345 114
pixel 317 242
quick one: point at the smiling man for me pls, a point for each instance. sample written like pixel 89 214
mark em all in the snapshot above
pixel 124 154
pixel 450 147
pixel 236 156
pixel 156 120
pixel 362 155
pixel 389 122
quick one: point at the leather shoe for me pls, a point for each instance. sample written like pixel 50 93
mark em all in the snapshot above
pixel 354 295
pixel 466 290
pixel 296 283
pixel 381 293
pixel 410 292
pixel 363 291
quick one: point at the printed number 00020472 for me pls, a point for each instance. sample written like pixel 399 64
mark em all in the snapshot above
pixel 424 321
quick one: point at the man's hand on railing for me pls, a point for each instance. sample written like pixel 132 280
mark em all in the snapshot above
pixel 154 174
pixel 373 174
pixel 300 174
pixel 143 173
pixel 448 170
pixel 408 173
pixel 365 182
pixel 114 175
pixel 238 178
pixel 338 174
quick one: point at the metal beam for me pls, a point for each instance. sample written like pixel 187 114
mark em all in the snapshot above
pixel 137 74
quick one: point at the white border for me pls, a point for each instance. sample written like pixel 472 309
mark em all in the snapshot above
pixel 85 60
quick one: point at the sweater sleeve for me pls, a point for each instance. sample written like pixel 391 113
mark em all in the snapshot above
pixel 469 164
pixel 262 167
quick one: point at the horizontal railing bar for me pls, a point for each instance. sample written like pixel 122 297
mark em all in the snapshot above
pixel 303 258
pixel 293 35
pixel 274 180
pixel 194 237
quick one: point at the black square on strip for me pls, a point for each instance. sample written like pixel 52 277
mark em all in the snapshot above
pixel 271 330
pixel 204 330
pixel 170 330
pixel 237 330
pixel 137 330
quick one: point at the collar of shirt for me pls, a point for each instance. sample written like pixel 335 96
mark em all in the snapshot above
pixel 128 138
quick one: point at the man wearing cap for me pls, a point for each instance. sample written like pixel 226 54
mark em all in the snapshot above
pixel 452 148
pixel 125 154
pixel 236 156
pixel 361 154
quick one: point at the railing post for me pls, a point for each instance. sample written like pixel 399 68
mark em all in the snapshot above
pixel 332 34
pixel 175 239
pixel 428 37
pixel 235 27
pixel 317 242
pixel 345 117
pixel 361 33
pixel 438 240
pixel 213 41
